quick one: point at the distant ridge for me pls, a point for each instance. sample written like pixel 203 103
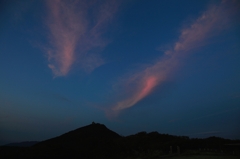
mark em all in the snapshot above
pixel 96 141
pixel 22 144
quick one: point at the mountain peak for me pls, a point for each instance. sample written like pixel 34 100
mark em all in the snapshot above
pixel 94 137
pixel 92 132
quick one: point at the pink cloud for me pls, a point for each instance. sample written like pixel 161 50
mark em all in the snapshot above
pixel 142 83
pixel 146 87
pixel 73 35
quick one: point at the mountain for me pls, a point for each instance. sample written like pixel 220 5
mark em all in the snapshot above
pixel 23 144
pixel 94 130
pixel 96 141
pixel 91 141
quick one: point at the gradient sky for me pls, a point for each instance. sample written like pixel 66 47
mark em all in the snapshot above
pixel 169 66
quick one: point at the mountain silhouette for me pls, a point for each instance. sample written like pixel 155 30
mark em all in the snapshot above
pixel 23 144
pixel 96 141
pixel 91 141
pixel 93 131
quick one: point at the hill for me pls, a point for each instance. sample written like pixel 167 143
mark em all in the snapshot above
pixel 97 141
pixel 92 141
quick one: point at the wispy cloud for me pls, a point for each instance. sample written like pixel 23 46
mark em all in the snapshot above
pixel 142 83
pixel 76 28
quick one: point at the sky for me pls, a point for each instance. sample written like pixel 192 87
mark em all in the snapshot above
pixel 134 65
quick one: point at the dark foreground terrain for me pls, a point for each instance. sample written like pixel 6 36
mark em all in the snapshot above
pixel 97 141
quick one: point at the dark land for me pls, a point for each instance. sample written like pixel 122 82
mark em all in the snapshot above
pixel 97 141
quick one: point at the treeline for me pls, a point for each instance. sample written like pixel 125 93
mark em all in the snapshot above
pixel 169 144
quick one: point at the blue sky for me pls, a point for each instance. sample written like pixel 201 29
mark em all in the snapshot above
pixel 168 66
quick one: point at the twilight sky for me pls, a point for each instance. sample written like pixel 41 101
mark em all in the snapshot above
pixel 134 65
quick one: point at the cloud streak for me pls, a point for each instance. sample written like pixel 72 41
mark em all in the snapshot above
pixel 142 83
pixel 75 29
